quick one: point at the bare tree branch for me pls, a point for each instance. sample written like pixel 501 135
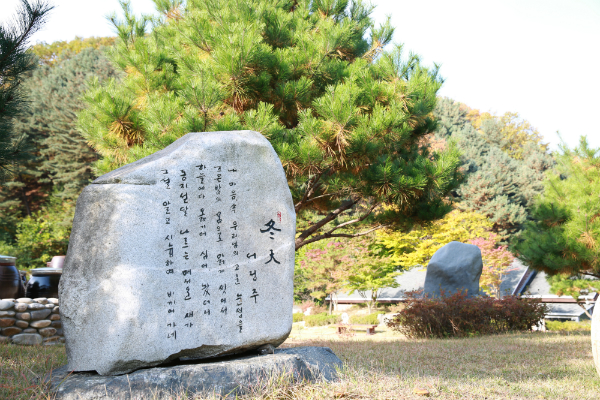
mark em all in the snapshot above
pixel 332 235
pixel 584 310
pixel 318 225
pixel 329 234
pixel 323 195
pixel 355 220
pixel 591 274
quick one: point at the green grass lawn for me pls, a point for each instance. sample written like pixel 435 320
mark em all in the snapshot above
pixel 551 365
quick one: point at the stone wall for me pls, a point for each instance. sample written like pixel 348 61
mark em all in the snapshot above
pixel 30 321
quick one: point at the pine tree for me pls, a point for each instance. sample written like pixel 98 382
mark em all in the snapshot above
pixel 345 117
pixel 563 236
pixel 14 63
pixel 496 185
pixel 452 118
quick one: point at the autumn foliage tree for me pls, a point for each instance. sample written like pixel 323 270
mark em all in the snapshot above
pixel 370 270
pixel 518 134
pixel 325 271
pixel 345 116
pixel 417 246
pixel 52 53
pixel 496 262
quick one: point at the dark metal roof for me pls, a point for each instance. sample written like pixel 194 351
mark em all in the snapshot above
pixel 411 280
pixel 520 281
pixel 572 310
pixel 512 279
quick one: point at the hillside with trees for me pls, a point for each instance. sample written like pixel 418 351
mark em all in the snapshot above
pixel 37 201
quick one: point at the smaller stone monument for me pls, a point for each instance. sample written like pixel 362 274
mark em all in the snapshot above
pixel 455 267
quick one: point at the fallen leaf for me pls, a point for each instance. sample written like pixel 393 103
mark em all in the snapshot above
pixel 422 392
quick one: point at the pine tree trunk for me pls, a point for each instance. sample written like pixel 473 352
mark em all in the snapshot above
pixel 25 201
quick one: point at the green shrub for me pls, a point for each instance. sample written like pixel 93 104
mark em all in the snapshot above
pixel 568 326
pixel 459 315
pixel 321 319
pixel 41 236
pixel 370 319
pixel 298 316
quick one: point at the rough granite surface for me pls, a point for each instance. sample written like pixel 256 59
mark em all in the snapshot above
pixel 219 377
pixel 186 252
pixel 454 267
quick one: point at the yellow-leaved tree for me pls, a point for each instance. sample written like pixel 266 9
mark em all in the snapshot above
pixel 517 132
pixel 416 247
pixel 51 53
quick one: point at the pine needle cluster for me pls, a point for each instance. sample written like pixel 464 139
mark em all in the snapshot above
pixel 15 62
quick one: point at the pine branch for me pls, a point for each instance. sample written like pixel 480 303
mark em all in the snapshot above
pixel 362 218
pixel 584 310
pixel 344 235
pixel 32 18
pixel 591 274
pixel 313 185
pixel 318 225
pixel 329 234
pixel 323 196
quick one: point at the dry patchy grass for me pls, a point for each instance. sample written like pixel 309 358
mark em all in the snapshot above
pixel 21 368
pixel 510 366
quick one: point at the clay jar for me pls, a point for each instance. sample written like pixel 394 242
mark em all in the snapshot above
pixel 43 283
pixel 11 286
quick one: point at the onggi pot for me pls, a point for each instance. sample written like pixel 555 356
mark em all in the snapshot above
pixel 11 285
pixel 596 337
pixel 44 282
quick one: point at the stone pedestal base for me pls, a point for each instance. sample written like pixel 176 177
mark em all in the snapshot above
pixel 222 377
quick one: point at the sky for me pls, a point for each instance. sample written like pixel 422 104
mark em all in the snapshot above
pixel 538 58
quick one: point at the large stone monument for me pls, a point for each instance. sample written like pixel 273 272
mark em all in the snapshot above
pixel 188 252
pixel 454 267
